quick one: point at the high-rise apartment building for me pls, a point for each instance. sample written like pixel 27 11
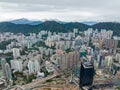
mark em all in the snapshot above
pixel 68 61
pixel 16 65
pixel 3 62
pixel 86 75
pixel 8 71
pixel 33 66
pixel 16 52
pixel 111 43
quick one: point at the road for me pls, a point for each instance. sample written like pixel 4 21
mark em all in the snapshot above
pixel 34 83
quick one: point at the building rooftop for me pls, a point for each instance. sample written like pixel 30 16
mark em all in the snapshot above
pixel 87 65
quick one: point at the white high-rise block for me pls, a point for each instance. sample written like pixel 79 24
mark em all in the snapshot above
pixel 16 52
pixel 16 65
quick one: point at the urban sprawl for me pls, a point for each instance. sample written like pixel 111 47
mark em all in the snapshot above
pixel 88 60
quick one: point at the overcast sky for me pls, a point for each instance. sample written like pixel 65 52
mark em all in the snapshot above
pixel 65 10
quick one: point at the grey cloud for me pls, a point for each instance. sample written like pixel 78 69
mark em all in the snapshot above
pixel 100 9
pixel 30 7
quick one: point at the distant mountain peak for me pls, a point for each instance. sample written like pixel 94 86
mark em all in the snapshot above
pixel 36 22
pixel 25 21
pixel 21 20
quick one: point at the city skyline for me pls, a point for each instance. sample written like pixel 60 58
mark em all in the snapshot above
pixel 30 60
pixel 59 45
pixel 77 10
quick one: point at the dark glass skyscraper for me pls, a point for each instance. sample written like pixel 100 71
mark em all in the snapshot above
pixel 86 74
